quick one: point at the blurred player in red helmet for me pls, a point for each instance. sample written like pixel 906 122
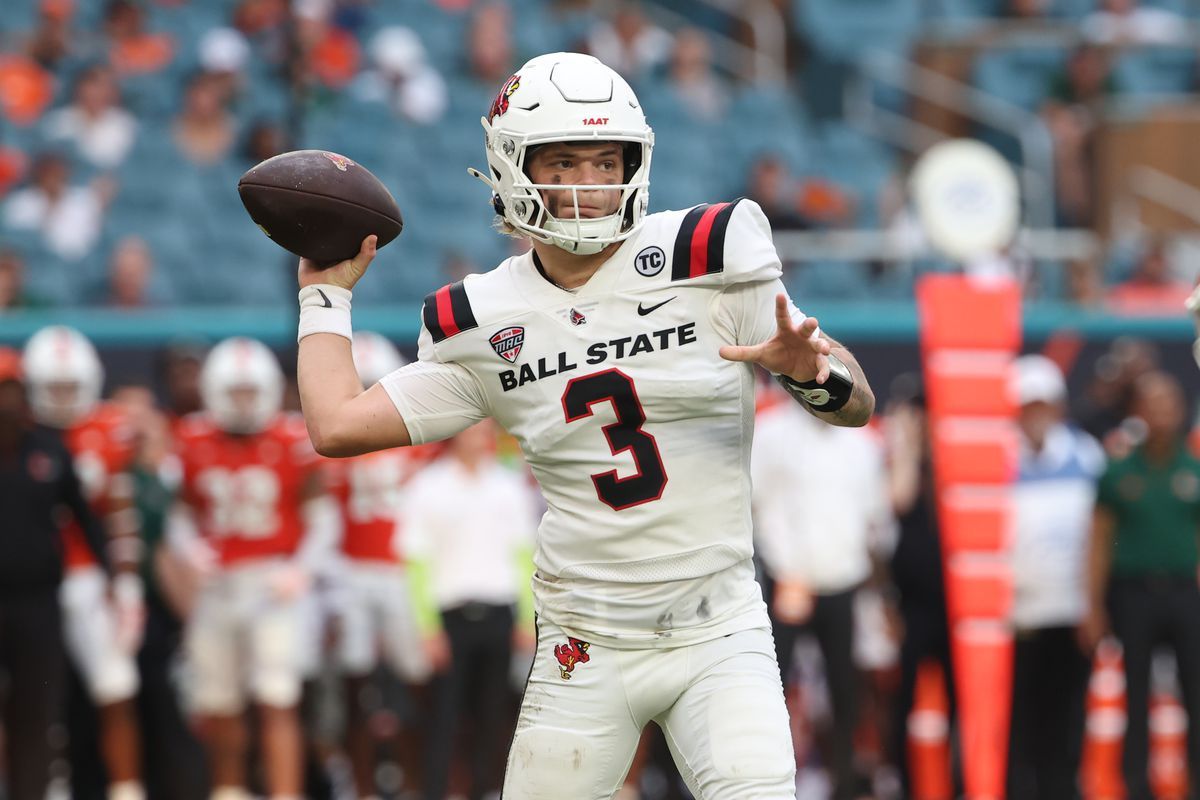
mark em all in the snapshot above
pixel 254 519
pixel 619 353
pixel 102 620
pixel 372 604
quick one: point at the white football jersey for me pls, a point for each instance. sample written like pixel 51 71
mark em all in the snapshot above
pixel 637 430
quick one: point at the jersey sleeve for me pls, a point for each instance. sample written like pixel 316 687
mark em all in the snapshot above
pixel 745 308
pixel 745 312
pixel 750 255
pixel 436 400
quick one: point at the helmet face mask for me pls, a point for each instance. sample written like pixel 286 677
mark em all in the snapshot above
pixel 64 375
pixel 241 385
pixel 566 98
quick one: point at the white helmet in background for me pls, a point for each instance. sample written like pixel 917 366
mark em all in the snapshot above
pixel 374 357
pixel 566 97
pixel 241 385
pixel 64 375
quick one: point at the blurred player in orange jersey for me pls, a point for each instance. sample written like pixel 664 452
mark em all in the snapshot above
pixel 372 597
pixel 102 621
pixel 254 519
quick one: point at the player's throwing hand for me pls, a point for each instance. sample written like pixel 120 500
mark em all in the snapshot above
pixel 345 273
pixel 794 350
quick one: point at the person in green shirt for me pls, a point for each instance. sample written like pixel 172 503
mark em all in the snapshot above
pixel 174 759
pixel 1143 568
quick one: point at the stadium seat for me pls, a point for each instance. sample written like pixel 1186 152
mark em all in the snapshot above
pixel 1155 71
pixel 1071 9
pixel 964 11
pixel 1019 75
pixel 855 162
pixel 828 280
pixel 851 29
pixel 46 276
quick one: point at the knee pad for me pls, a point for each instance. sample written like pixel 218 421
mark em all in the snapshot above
pixel 552 763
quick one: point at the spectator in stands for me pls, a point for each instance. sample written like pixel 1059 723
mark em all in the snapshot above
pixel 265 140
pixel 13 293
pixel 328 55
pixel 12 167
pixel 223 54
pixel 1030 12
pixel 1070 114
pixel 132 50
pixel 629 43
pixel 130 271
pixel 1085 282
pixel 813 531
pixel 1119 22
pixel 204 130
pixel 470 566
pixel 94 123
pixel 52 41
pixel 26 89
pixel 1054 493
pixel 255 18
pixel 490 44
pixel 692 78
pixel 69 217
pixel 1143 567
pixel 262 23
pixel 772 187
pixel 403 78
pixel 1151 288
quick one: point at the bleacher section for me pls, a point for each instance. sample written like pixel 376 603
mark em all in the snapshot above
pixel 209 252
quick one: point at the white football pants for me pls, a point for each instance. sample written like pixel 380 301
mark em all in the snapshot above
pixel 719 703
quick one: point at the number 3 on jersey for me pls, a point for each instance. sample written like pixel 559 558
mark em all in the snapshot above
pixel 626 433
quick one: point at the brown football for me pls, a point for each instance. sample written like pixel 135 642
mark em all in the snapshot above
pixel 319 205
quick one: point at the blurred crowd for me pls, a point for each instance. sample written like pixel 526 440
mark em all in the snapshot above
pixel 193 604
pixel 124 127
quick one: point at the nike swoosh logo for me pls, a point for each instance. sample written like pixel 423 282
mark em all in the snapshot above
pixel 644 311
pixel 326 299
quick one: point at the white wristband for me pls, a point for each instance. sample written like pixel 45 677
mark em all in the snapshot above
pixel 325 308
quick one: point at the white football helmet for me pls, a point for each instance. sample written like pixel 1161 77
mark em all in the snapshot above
pixel 566 97
pixel 241 385
pixel 64 375
pixel 374 356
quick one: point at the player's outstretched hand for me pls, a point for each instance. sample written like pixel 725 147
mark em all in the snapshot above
pixel 345 273
pixel 793 350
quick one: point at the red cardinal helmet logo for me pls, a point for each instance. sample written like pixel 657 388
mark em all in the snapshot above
pixel 500 104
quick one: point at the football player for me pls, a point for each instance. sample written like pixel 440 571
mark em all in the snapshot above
pixel 252 516
pixel 372 602
pixel 102 619
pixel 619 352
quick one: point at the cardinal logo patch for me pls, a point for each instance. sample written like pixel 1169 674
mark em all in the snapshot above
pixel 577 318
pixel 507 343
pixel 500 104
pixel 569 654
pixel 341 162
